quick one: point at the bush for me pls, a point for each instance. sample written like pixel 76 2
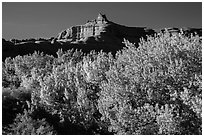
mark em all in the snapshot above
pixel 71 89
pixel 24 124
pixel 153 89
pixel 14 101
pixel 159 73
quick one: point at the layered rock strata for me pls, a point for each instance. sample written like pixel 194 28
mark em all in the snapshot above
pixel 103 30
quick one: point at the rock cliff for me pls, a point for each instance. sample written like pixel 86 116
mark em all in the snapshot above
pixel 91 28
pixel 103 30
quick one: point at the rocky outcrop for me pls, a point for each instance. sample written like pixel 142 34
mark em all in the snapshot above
pixel 91 28
pixel 103 30
pixel 185 30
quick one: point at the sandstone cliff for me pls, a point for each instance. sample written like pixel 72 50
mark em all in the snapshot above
pixel 103 30
pixel 91 28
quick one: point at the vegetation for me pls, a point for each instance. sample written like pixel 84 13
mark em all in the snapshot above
pixel 153 89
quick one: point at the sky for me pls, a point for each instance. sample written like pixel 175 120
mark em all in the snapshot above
pixel 46 19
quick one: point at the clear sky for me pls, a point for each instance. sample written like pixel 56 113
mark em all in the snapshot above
pixel 35 20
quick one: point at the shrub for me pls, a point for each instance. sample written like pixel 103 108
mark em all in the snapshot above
pixel 70 92
pixel 14 101
pixel 159 72
pixel 24 124
pixel 153 89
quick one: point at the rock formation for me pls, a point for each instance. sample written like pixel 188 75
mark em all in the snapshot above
pixel 91 28
pixel 103 30
pixel 185 30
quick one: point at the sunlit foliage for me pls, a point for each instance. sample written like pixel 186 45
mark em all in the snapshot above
pixel 153 89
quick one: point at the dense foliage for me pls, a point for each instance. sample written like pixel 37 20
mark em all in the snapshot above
pixel 153 89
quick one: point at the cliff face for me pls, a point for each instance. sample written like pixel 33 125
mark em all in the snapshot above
pixel 103 30
pixel 91 28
